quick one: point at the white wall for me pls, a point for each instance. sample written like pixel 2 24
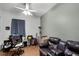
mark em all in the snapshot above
pixel 62 21
pixel 31 26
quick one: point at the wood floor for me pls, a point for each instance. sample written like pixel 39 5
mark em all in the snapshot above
pixel 28 51
pixel 31 51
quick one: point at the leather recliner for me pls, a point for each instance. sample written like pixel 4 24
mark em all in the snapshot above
pixel 59 50
pixel 53 42
pixel 73 46
pixel 60 47
pixel 57 46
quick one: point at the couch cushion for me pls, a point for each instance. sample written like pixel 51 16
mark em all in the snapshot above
pixel 61 45
pixel 54 40
pixel 52 46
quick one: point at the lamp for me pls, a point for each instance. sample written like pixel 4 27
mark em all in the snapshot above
pixel 27 13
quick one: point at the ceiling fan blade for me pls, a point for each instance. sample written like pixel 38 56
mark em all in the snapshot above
pixel 20 8
pixel 32 11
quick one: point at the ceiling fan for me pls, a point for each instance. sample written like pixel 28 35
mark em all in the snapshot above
pixel 26 10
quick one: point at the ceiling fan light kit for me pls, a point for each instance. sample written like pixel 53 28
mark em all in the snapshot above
pixel 27 13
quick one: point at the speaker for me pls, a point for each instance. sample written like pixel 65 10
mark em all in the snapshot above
pixel 25 43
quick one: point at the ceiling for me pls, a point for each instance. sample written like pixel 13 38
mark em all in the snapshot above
pixel 41 8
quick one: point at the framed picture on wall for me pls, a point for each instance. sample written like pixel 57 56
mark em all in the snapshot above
pixel 7 28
